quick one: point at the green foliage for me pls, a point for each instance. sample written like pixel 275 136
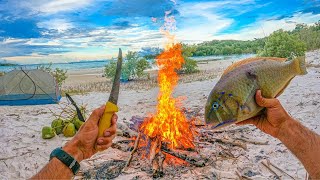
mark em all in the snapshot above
pixel 281 44
pixel 110 69
pixel 132 68
pixel 190 65
pixel 227 47
pixel 308 34
pixel 59 74
pixel 142 65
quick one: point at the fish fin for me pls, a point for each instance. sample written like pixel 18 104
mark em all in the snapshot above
pixel 249 60
pixel 282 90
pixel 300 65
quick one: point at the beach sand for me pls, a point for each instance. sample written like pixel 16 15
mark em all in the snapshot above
pixel 24 152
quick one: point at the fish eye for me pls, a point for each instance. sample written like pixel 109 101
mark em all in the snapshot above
pixel 215 106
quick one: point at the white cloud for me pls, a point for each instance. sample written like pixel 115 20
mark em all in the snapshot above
pixel 265 27
pixel 55 6
pixel 12 40
pixel 60 25
pixel 201 20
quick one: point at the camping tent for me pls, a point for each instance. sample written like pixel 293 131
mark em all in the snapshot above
pixel 28 87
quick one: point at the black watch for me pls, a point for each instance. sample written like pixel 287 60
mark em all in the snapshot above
pixel 66 159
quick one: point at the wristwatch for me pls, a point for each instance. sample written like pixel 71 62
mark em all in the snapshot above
pixel 66 159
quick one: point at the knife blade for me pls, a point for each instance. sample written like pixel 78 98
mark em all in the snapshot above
pixel 111 105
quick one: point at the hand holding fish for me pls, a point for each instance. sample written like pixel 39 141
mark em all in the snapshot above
pixel 273 120
pixel 301 141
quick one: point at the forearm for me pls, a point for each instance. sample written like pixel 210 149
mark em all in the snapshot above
pixel 55 169
pixel 304 144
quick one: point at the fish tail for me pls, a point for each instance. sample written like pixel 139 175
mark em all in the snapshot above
pixel 300 65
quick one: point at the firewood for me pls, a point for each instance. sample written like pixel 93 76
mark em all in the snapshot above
pixel 227 130
pixel 153 148
pixel 227 141
pixel 194 161
pixel 253 141
pixel 161 157
pixel 136 144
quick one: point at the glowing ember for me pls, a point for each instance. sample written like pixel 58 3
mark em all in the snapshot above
pixel 169 123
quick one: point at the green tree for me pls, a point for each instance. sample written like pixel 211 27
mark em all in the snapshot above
pixel 281 44
pixel 133 67
pixel 59 74
pixel 142 65
pixel 110 69
pixel 190 65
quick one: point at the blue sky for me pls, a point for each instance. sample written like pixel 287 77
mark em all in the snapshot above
pixel 35 31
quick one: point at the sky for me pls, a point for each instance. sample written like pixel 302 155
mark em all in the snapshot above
pixel 39 31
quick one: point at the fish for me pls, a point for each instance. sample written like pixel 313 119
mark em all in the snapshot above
pixel 232 99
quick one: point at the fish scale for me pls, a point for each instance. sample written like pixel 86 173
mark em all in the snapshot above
pixel 234 93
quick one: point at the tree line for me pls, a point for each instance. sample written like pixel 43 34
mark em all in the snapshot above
pixel 301 38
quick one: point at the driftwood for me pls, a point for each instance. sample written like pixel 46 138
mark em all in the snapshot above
pixel 136 144
pixel 192 160
pixel 242 177
pixel 228 130
pixel 270 163
pixel 271 170
pixel 252 141
pixel 227 141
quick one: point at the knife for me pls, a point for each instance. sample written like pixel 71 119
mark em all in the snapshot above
pixel 111 105
pixel 80 116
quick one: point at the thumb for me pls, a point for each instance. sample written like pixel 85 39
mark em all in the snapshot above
pixel 265 102
pixel 96 114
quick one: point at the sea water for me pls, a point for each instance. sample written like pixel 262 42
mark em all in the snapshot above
pixel 102 63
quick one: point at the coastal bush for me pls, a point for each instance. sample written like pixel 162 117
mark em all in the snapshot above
pixel 281 44
pixel 190 65
pixel 110 69
pixel 133 67
pixel 59 74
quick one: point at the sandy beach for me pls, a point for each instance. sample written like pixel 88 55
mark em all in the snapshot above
pixel 24 152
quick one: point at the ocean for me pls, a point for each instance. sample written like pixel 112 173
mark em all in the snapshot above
pixel 65 66
pixel 102 63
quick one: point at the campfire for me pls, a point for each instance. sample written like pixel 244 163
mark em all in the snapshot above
pixel 168 128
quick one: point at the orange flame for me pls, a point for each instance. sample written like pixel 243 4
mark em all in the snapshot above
pixel 169 123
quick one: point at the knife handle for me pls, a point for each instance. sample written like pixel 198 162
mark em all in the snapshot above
pixel 105 121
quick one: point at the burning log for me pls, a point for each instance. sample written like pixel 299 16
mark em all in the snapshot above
pixel 156 158
pixel 136 144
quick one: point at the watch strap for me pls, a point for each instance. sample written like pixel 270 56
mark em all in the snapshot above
pixel 66 159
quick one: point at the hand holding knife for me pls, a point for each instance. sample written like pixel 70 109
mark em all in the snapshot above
pixel 111 105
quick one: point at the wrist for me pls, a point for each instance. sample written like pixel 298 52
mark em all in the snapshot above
pixel 287 131
pixel 72 148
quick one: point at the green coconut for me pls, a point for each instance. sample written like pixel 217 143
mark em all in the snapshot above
pixel 48 132
pixel 57 125
pixel 77 123
pixel 69 130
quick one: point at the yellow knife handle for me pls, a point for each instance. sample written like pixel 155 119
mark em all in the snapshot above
pixel 105 121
